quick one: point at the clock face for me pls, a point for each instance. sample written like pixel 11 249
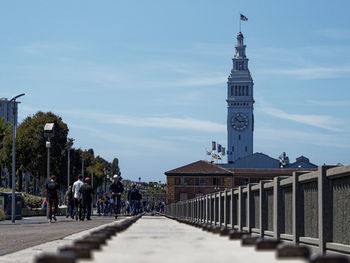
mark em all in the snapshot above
pixel 240 121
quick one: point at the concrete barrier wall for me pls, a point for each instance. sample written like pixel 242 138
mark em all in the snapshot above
pixel 308 208
pixel 28 212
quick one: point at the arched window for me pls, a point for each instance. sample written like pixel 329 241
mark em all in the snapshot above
pixel 239 91
pixel 235 90
pixel 247 91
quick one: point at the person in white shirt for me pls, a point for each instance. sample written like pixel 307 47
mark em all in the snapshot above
pixel 75 190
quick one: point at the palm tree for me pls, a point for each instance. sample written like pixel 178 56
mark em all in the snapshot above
pixel 3 128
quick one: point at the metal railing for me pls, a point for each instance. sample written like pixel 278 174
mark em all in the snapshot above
pixel 308 208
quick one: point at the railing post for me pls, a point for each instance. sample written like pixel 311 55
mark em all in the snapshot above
pixel 324 209
pixel 206 209
pixel 219 209
pixel 296 206
pixel 225 208
pixel 232 215
pixel 276 207
pixel 261 208
pixel 249 207
pixel 240 206
pixel 215 216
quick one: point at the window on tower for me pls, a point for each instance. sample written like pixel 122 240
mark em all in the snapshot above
pixel 239 137
pixel 233 148
pixel 231 90
pixel 246 148
pixel 247 91
pixel 235 90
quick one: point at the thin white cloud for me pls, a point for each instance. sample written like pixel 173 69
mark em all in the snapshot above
pixel 186 123
pixel 334 33
pixel 198 139
pixel 41 48
pixel 326 122
pixel 312 72
pixel 191 82
pixel 334 103
pixel 264 136
pixel 132 142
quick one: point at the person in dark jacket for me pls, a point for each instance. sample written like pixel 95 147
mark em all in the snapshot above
pixel 133 197
pixel 86 195
pixel 116 189
pixel 52 194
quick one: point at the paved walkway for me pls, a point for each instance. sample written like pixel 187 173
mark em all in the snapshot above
pixel 34 231
pixel 158 239
pixel 28 255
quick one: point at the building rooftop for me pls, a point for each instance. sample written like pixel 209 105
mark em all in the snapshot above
pixel 199 168
pixel 206 168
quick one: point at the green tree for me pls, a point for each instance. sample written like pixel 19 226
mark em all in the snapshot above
pixel 31 152
pixel 3 129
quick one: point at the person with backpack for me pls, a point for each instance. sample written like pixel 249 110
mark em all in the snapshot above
pixel 86 195
pixel 52 194
pixel 116 189
pixel 133 196
pixel 69 201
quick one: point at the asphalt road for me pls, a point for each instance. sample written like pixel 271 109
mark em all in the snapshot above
pixel 20 236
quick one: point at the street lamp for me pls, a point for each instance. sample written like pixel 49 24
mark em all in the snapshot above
pixel 13 204
pixel 48 133
pixel 82 165
pixel 69 147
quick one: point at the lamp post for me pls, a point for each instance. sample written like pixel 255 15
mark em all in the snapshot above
pixel 48 133
pixel 13 204
pixel 82 165
pixel 69 147
pixel 104 173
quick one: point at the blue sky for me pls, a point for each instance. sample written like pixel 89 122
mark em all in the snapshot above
pixel 145 81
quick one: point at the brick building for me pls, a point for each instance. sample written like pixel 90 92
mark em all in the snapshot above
pixel 201 177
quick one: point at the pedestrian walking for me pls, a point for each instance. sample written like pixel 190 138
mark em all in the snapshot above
pixel 106 205
pixel 69 201
pixel 133 196
pixel 144 205
pixel 52 194
pixel 86 195
pixel 75 189
pixel 100 205
pixel 116 189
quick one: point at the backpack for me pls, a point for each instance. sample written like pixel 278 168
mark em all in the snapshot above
pixel 134 194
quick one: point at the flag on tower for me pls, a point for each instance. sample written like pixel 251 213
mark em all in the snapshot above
pixel 219 148
pixel 223 151
pixel 213 145
pixel 244 18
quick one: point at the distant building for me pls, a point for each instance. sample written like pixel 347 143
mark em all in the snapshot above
pixel 301 162
pixel 261 160
pixel 201 177
pixel 6 110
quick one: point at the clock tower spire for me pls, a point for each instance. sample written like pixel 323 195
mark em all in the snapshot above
pixel 240 118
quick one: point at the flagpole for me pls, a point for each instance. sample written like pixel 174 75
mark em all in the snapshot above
pixel 240 22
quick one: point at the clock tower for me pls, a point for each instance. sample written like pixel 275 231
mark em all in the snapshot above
pixel 240 117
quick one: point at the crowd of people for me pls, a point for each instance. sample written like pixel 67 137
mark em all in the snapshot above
pixel 79 200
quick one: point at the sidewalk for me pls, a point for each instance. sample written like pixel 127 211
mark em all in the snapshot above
pixel 35 231
pixel 33 220
pixel 28 255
